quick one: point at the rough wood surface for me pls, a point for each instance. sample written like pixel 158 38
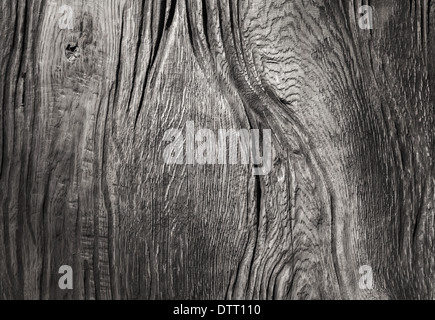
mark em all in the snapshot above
pixel 83 181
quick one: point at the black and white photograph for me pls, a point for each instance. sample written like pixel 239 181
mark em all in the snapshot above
pixel 217 150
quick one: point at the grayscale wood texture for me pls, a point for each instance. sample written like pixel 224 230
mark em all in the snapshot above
pixel 83 181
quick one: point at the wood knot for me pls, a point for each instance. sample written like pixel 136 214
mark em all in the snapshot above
pixel 72 52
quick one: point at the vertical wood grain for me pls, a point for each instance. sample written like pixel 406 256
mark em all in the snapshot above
pixel 83 181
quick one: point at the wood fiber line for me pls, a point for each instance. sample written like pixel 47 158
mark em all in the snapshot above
pixel 82 176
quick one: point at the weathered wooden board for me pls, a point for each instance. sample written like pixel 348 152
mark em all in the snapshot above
pixel 83 116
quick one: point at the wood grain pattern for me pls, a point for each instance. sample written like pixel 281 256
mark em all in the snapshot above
pixel 83 181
